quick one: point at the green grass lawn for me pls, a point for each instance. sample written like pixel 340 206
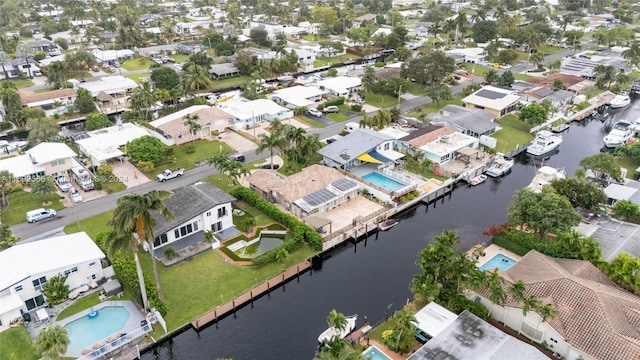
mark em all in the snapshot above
pixel 80 304
pixel 380 101
pixel 322 61
pixel 138 77
pixel 80 75
pixel 549 50
pixel 376 333
pixel 509 138
pixel 93 226
pixel 519 76
pixel 337 117
pixel 114 186
pixel 433 107
pixel 23 83
pixel 476 69
pixel 629 164
pixel 237 81
pixel 21 201
pixel 137 64
pixel 414 88
pixel 261 218
pixel 15 344
pixel 310 121
pixel 204 149
pixel 180 58
pixel 513 122
pixel 309 37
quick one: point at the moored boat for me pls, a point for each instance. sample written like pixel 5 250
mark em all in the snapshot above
pixel 621 133
pixel 544 143
pixel 620 101
pixel 387 224
pixel 478 180
pixel 499 166
pixel 333 332
pixel 544 176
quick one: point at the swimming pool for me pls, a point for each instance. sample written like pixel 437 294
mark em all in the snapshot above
pixel 84 332
pixel 499 261
pixel 383 181
pixel 64 110
pixel 373 353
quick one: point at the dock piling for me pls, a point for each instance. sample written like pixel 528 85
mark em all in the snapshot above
pixel 283 282
pixel 251 294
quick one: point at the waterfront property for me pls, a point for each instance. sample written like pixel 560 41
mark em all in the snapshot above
pixel 245 114
pixel 594 316
pixel 196 208
pixel 498 261
pixel 48 100
pixel 494 100
pixel 472 122
pixel 25 268
pixel 373 353
pixel 439 144
pixel 174 126
pixel 362 146
pixel 296 96
pixel 47 158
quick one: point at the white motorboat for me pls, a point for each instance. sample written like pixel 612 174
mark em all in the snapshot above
pixel 478 180
pixel 331 332
pixel 544 143
pixel 621 133
pixel 544 176
pixel 499 166
pixel 387 224
pixel 620 101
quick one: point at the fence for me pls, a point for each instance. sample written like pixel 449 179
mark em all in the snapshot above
pixel 118 345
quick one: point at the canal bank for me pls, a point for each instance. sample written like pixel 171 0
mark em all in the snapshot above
pixel 371 277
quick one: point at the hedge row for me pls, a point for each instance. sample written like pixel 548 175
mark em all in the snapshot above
pixel 301 233
pixel 332 102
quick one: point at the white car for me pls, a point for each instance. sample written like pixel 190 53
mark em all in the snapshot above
pixel 75 196
pixel 63 183
pixel 315 112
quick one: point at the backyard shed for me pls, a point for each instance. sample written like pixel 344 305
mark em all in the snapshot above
pixel 111 288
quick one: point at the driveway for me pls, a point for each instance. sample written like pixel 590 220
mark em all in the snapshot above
pixel 321 119
pixel 126 173
pixel 238 142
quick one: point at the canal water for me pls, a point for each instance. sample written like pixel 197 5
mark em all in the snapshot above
pixel 371 278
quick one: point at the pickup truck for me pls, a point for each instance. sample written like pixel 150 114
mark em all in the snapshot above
pixel 170 174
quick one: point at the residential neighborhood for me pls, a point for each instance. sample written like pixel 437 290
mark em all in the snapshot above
pixel 422 180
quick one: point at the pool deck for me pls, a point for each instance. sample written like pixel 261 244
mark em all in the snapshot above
pixel 131 326
pixel 493 250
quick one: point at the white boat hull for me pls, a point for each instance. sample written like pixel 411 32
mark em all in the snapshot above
pixel 478 180
pixel 619 104
pixel 332 332
pixel 499 167
pixel 543 151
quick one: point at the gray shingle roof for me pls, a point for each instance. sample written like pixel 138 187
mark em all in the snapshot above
pixel 477 121
pixel 353 145
pixel 188 202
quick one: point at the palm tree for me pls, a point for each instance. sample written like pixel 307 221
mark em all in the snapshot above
pixel 491 76
pixel 497 295
pixel 606 75
pixel 547 312
pixel 632 54
pixel 536 58
pixel 191 121
pixel 57 74
pixel 142 99
pixel 52 342
pixel 197 77
pixel 235 171
pixel 220 162
pixel 4 60
pixel 336 320
pixel 6 179
pixel 517 290
pixel 365 122
pixel 555 65
pixel 382 119
pixel 530 303
pixel 133 215
pixel 271 142
pixel 24 52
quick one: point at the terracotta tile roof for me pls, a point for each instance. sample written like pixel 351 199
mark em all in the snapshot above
pixel 431 136
pixel 594 315
pixel 294 187
pixel 31 97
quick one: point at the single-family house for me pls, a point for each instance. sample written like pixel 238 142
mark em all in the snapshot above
pixel 340 85
pixel 110 92
pixel 244 114
pixel 420 29
pixel 472 122
pixel 47 158
pixel 628 191
pixel 41 45
pixel 313 190
pixel 28 68
pixel 195 208
pixel 440 144
pixel 109 57
pixel 495 100
pixel 193 27
pixel 557 97
pixel 48 100
pixel 322 51
pixel 174 126
pixel 596 319
pixel 360 147
pixel 297 96
pixel 584 65
pixel 474 55
pixel 25 268
pixel 357 22
pixel 221 71
pixel 104 144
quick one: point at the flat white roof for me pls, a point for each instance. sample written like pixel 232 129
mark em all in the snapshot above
pixel 109 84
pixel 177 115
pixel 48 151
pixel 245 110
pixel 340 83
pixel 19 166
pixel 492 97
pixel 619 192
pixel 10 301
pixel 448 144
pixel 110 55
pixel 48 61
pixel 20 262
pixel 103 144
pixel 433 319
pixel 298 95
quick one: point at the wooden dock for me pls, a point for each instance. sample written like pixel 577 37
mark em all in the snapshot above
pixel 517 151
pixel 249 296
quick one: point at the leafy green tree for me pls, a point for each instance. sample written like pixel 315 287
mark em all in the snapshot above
pixel 627 211
pixel 199 58
pixel 225 48
pixel 43 186
pixel 484 31
pixel 332 72
pixel 41 129
pixel 438 92
pixel 96 121
pixel 533 113
pixel 212 39
pixel 245 62
pixel 259 36
pixel 507 56
pixel 247 223
pixel 603 165
pixel 133 215
pixel 542 212
pixel 11 102
pixel 84 101
pixel 55 289
pixel 402 337
pixel 606 75
pixel 142 99
pixel 325 15
pixel 146 148
pixel 492 76
pixel 624 271
pixel 558 84
pixel 57 74
pixel 506 79
pixel 165 77
pixel 537 59
pixel 430 69
pixel 580 192
pixel 52 342
pixel 196 77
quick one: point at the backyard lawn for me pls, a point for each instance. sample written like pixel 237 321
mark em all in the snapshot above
pixel 80 304
pixel 509 138
pixel 93 226
pixel 137 64
pixel 380 101
pixel 180 58
pixel 15 344
pixel 514 122
pixel 21 201
pixel 237 81
pixel 204 149
pixel 324 61
pixel 138 77
pixel 628 163
pixel 22 83
pixel 338 117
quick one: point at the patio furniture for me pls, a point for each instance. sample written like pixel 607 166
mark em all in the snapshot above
pixel 42 315
pixel 86 352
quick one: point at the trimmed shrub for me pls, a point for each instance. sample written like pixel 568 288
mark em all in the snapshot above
pixel 356 107
pixel 332 102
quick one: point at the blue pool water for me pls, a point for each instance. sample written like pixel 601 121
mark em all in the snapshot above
pixel 373 353
pixel 85 332
pixel 64 110
pixel 499 261
pixel 383 181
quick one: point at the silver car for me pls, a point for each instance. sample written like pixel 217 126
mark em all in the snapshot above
pixel 63 183
pixel 75 196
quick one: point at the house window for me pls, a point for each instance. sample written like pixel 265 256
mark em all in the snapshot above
pixel 162 239
pixel 18 288
pixel 92 263
pixel 222 212
pixel 34 302
pixel 93 277
pixel 37 283
pixel 217 226
pixel 208 213
pixel 195 226
pixel 386 146
pixel 176 233
pixel 479 107
pixel 57 162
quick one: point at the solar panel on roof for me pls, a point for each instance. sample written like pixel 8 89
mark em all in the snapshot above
pixel 490 94
pixel 344 184
pixel 319 197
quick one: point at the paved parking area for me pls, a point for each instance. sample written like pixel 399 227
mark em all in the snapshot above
pixel 344 214
pixel 237 142
pixel 128 174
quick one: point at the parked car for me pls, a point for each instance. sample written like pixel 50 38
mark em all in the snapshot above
pixel 268 166
pixel 314 112
pixel 331 109
pixel 167 59
pixel 236 156
pixel 158 61
pixel 95 69
pixel 40 214
pixel 497 66
pixel 63 183
pixel 75 196
pixel 170 174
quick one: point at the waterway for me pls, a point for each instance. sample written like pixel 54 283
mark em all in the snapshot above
pixel 371 278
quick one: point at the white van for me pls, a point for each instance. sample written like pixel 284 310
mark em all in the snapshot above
pixel 351 127
pixel 40 214
pixel 82 177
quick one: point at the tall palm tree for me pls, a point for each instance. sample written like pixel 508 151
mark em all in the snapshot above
pixel 547 312
pixel 191 120
pixel 536 58
pixel 6 179
pixel 220 162
pixel 365 122
pixel 497 294
pixel 133 215
pixel 4 60
pixel 530 303
pixel 196 77
pixel 235 171
pixel 382 119
pixel 142 99
pixel 57 74
pixel 24 52
pixel 52 342
pixel 271 142
pixel 606 75
pixel 517 290
pixel 336 320
pixel 632 54
pixel 491 76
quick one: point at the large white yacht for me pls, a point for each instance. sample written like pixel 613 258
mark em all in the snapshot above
pixel 620 101
pixel 544 143
pixel 621 133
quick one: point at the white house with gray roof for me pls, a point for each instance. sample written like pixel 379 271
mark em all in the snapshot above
pixel 470 122
pixel 244 114
pixel 195 208
pixel 360 147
